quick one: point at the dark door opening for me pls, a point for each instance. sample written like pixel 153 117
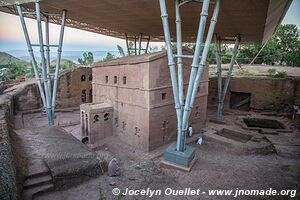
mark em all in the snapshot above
pixel 240 101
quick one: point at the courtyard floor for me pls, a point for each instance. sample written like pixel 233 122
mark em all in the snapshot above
pixel 218 165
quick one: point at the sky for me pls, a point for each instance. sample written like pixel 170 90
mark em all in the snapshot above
pixel 12 38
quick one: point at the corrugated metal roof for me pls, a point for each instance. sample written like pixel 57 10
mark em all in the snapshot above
pixel 255 20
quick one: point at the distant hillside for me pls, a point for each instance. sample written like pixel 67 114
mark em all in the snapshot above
pixel 6 58
pixel 69 55
pixel 62 61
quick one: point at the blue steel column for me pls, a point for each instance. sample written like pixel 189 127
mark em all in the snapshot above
pixel 205 50
pixel 59 50
pixel 195 84
pixel 45 78
pixel 128 50
pixel 48 53
pixel 219 73
pixel 171 63
pixel 179 64
pixel 179 59
pixel 33 61
pixel 227 81
pixel 195 65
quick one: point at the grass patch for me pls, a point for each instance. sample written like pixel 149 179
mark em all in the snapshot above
pixel 277 74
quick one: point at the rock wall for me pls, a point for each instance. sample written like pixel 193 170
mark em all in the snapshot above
pixel 74 87
pixel 266 93
pixel 25 97
pixel 11 174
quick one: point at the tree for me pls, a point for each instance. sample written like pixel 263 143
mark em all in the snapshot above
pixel 88 59
pixel 247 52
pixel 68 64
pixel 212 54
pixel 109 56
pixel 121 51
pixel 30 71
pixel 288 44
pixel 12 71
pixel 283 48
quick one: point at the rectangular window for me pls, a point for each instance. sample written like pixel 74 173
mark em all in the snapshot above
pixel 198 89
pixel 106 79
pixel 163 96
pixel 83 96
pixel 124 80
pixel 115 79
pixel 83 78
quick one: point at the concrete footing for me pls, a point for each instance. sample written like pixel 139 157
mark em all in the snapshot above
pixel 180 160
pixel 168 165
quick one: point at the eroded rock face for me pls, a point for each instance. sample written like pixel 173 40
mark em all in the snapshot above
pixel 74 88
pixel 9 171
pixel 113 168
pixel 265 93
pixel 69 161
pixel 28 98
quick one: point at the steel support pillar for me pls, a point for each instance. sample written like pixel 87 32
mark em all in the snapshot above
pixel 140 42
pixel 228 78
pixel 42 75
pixel 179 60
pixel 183 109
pixel 31 54
pixel 58 57
pixel 219 70
pixel 222 93
pixel 197 69
pixel 48 58
pixel 137 44
pixel 135 50
pixel 127 44
pixel 202 65
pixel 44 70
pixel 147 44
pixel 171 63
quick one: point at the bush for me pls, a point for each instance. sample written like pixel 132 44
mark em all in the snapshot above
pixel 276 74
pixel 281 74
pixel 12 71
pixel 272 71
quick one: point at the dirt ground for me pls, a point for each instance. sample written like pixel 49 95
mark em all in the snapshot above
pixel 217 167
pixel 255 70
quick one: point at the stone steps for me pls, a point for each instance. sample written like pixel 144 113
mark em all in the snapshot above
pixel 38 180
pixel 36 168
pixel 31 193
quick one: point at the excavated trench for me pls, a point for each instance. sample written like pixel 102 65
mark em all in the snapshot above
pixel 234 135
pixel 263 123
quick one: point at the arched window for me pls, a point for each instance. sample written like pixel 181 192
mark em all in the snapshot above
pixel 106 116
pixel 96 118
pixel 83 78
